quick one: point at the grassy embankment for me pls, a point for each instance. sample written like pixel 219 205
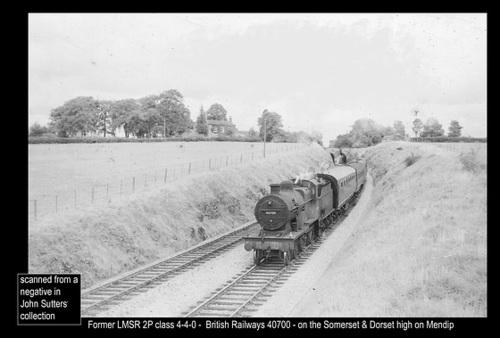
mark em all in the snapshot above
pixel 101 242
pixel 421 248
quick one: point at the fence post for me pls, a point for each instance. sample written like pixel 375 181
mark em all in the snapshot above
pixel 241 158
pixel 75 199
pixel 107 191
pixel 133 184
pixel 56 204
pixel 121 185
pixel 34 202
pixel 227 160
pixel 165 178
pixel 189 170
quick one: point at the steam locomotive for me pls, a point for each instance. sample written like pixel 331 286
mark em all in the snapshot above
pixel 296 212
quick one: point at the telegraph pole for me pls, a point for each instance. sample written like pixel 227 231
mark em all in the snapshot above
pixel 265 131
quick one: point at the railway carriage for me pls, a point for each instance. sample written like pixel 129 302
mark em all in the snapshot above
pixel 296 212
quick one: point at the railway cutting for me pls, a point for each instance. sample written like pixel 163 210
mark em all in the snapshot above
pixel 292 222
pixel 99 298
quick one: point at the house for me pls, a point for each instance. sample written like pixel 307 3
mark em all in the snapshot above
pixel 216 128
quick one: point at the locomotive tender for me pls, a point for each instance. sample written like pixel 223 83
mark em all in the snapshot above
pixel 295 213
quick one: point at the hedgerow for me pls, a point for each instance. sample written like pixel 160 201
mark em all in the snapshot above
pixel 449 139
pixel 62 140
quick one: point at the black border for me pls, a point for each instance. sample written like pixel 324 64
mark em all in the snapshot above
pixel 471 326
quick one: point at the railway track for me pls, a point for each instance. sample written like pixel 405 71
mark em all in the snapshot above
pixel 239 297
pixel 99 298
pixel 248 290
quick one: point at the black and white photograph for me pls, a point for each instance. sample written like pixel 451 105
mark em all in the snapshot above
pixel 257 166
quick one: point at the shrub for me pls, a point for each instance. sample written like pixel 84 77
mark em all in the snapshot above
pixel 470 162
pixel 411 159
pixel 202 235
pixel 210 209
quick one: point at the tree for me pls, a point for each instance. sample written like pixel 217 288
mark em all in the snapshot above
pixel 273 125
pixel 201 123
pixel 37 130
pixel 366 132
pixel 280 136
pixel 230 130
pixel 76 116
pixel 432 128
pixel 103 115
pixel 296 136
pixel 252 133
pixel 316 136
pixel 136 124
pixel 342 141
pixel 454 129
pixel 417 127
pixel 217 112
pixel 147 117
pixel 121 113
pixel 176 116
pixel 400 130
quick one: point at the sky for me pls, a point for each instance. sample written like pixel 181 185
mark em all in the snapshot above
pixel 320 71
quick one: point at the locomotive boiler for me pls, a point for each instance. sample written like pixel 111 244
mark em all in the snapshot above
pixel 296 212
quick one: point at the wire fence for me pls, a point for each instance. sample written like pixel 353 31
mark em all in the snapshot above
pixel 454 148
pixel 40 205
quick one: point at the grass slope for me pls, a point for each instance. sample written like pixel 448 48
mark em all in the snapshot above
pixel 421 248
pixel 101 242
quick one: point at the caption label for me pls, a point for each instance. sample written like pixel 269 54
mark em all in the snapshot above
pixel 271 324
pixel 48 299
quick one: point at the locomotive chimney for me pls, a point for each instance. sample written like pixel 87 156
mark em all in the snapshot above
pixel 275 188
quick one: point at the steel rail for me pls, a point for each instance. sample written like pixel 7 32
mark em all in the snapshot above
pixel 192 256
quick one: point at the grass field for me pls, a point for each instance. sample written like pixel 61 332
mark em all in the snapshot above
pixel 81 173
pixel 421 249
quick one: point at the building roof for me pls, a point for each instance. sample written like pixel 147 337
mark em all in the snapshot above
pixel 220 123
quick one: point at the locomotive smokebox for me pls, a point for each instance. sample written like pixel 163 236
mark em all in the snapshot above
pixel 275 210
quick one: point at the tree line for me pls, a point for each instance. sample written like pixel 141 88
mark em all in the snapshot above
pixel 151 116
pixel 154 116
pixel 366 132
